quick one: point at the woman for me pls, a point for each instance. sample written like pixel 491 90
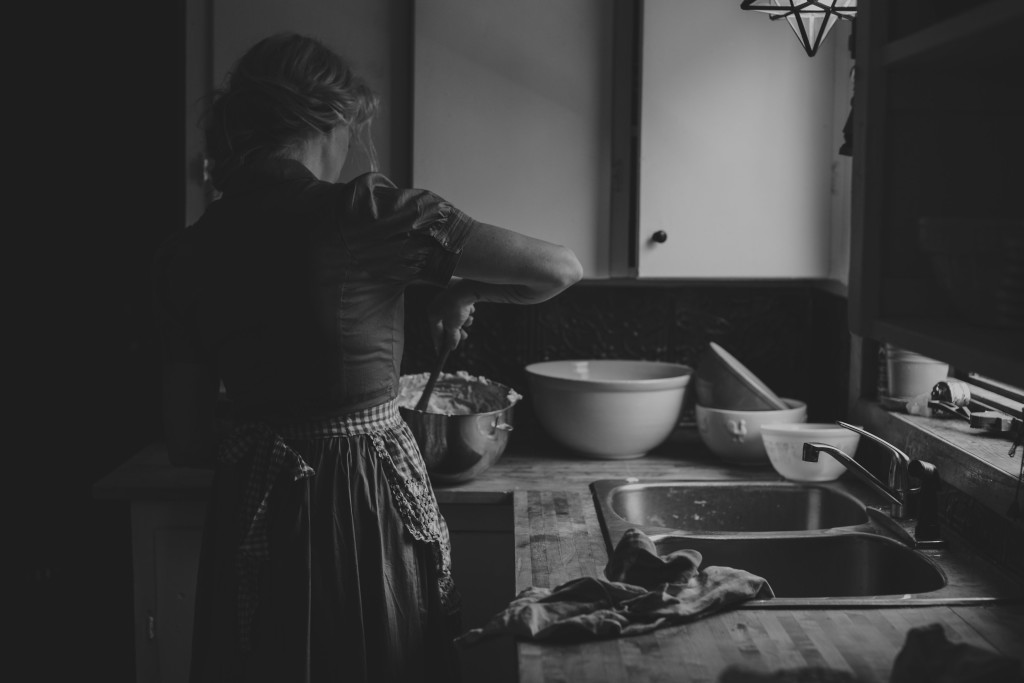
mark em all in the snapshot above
pixel 324 557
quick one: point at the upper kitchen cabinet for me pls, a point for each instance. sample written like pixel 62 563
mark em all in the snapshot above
pixel 938 228
pixel 600 125
pixel 739 133
pixel 512 116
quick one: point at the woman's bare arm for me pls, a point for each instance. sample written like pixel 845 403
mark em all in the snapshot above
pixel 501 266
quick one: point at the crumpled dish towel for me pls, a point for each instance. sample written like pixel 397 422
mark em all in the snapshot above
pixel 643 591
pixel 927 656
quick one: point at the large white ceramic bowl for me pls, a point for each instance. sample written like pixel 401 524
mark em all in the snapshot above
pixel 609 409
pixel 784 444
pixel 735 435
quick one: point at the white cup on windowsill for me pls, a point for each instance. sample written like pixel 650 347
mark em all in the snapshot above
pixel 910 374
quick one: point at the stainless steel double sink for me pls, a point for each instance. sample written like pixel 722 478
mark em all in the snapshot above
pixel 816 544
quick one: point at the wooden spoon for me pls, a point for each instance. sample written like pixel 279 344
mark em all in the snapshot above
pixel 429 389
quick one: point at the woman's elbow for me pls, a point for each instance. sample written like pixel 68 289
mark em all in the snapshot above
pixel 568 270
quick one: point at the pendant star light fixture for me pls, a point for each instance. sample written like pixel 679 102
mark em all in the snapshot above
pixel 811 20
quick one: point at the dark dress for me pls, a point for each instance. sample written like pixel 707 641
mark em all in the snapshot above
pixel 324 556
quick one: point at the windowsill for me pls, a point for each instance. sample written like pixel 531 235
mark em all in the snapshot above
pixel 973 461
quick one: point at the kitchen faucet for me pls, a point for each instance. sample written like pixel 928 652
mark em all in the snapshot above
pixel 897 490
pixel 898 486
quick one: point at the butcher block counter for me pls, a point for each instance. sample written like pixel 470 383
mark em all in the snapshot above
pixel 558 537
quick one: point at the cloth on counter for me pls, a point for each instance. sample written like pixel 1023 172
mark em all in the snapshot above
pixel 642 592
pixel 927 655
pixel 635 560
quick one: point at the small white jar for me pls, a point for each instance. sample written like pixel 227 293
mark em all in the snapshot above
pixel 910 374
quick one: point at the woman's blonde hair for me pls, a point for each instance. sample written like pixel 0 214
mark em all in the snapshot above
pixel 285 89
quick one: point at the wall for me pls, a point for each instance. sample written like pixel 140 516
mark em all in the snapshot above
pixel 95 125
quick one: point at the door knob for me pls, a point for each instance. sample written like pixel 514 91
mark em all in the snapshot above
pixel 660 236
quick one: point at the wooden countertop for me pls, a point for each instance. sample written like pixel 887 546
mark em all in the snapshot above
pixel 558 538
pixel 534 465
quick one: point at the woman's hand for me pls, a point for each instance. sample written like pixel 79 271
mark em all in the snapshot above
pixel 501 266
pixel 449 314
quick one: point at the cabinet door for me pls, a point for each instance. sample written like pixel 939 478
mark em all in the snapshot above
pixel 177 568
pixel 736 145
pixel 166 537
pixel 483 566
pixel 512 115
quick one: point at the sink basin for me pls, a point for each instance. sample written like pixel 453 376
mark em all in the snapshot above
pixel 854 564
pixel 734 506
pixel 818 545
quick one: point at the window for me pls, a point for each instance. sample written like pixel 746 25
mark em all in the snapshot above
pixel 993 395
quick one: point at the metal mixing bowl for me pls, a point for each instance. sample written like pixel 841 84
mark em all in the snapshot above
pixel 457 448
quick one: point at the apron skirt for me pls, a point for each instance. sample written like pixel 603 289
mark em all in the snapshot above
pixel 344 592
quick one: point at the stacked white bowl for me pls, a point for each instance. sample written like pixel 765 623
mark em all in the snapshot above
pixel 733 405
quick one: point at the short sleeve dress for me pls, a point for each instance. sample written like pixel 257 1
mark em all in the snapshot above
pixel 324 555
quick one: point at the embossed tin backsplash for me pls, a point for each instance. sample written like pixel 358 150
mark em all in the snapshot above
pixel 793 336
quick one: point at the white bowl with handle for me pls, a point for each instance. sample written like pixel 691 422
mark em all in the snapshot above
pixel 735 435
